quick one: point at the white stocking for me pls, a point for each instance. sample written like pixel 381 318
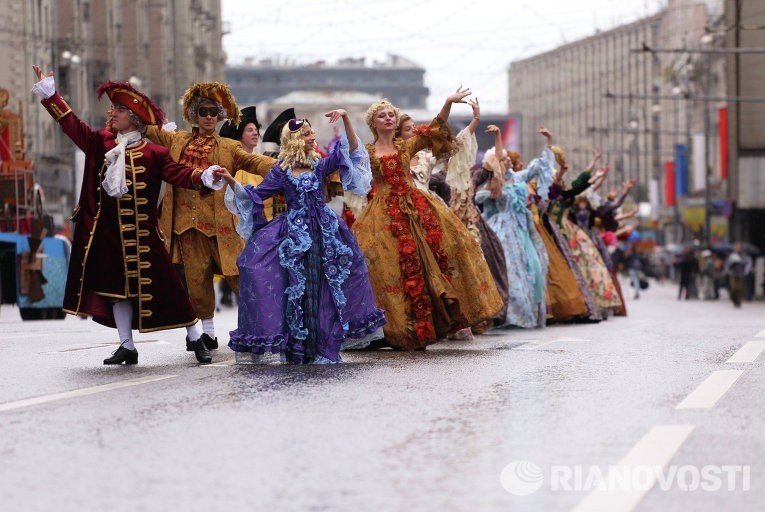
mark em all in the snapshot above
pixel 194 332
pixel 123 317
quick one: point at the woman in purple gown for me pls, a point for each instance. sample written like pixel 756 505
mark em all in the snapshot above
pixel 304 284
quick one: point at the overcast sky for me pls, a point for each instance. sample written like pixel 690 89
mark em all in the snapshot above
pixel 457 42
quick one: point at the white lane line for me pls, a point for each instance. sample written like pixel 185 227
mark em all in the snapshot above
pixel 25 336
pixel 654 450
pixel 101 345
pixel 534 346
pixel 760 334
pixel 748 353
pixel 711 390
pixel 76 393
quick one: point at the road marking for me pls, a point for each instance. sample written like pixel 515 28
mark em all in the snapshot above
pixel 760 334
pixel 655 449
pixel 102 345
pixel 711 390
pixel 24 336
pixel 28 402
pixel 534 346
pixel 748 353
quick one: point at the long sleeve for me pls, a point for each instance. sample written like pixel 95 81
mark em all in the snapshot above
pixel 354 167
pixel 252 162
pixel 178 174
pixel 422 171
pixel 437 136
pixel 80 133
pixel 541 169
pixel 246 202
pixel 579 185
pixel 613 205
pixel 458 169
pixel 159 136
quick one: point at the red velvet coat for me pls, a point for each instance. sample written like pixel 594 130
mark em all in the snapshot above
pixel 117 251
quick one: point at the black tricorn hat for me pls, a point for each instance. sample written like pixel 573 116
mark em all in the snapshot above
pixel 274 131
pixel 249 115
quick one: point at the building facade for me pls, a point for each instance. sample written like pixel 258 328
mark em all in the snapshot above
pixel 161 47
pixel 398 79
pixel 640 92
pixel 745 74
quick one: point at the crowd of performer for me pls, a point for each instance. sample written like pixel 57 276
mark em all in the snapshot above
pixel 398 243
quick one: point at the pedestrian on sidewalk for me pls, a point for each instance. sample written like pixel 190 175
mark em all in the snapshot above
pixel 687 266
pixel 737 267
pixel 634 267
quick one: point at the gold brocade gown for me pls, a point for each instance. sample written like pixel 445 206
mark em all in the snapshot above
pixel 564 299
pixel 427 271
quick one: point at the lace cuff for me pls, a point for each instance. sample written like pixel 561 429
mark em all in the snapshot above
pixel 45 88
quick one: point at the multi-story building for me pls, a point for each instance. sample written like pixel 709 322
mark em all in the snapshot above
pixel 398 79
pixel 645 109
pixel 745 73
pixel 161 47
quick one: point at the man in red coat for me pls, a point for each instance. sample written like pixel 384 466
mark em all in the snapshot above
pixel 120 272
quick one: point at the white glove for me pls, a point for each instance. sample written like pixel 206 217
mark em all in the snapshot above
pixel 210 181
pixel 170 126
pixel 45 88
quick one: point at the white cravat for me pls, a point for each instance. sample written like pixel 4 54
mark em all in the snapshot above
pixel 114 184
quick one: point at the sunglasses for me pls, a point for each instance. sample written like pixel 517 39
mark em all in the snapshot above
pixel 296 124
pixel 207 112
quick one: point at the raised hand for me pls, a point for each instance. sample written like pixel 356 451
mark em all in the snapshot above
pixel 545 133
pixel 492 128
pixel 476 108
pixel 459 96
pixel 596 154
pixel 629 184
pixel 335 115
pixel 39 72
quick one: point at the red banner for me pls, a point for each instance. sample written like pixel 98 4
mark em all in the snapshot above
pixel 722 118
pixel 669 183
pixel 5 147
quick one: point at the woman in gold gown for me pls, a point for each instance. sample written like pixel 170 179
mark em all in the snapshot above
pixel 427 271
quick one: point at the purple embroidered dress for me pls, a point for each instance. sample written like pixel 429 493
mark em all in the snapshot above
pixel 303 282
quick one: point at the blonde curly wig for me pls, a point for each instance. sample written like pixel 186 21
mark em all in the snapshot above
pixel 292 148
pixel 374 109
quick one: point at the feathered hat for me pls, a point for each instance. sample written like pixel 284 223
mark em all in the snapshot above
pixel 233 131
pixel 122 93
pixel 215 91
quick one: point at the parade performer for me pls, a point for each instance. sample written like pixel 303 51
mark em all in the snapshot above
pixel 119 270
pixel 565 301
pixel 463 183
pixel 428 273
pixel 583 250
pixel 247 133
pixel 510 218
pixel 304 282
pixel 199 231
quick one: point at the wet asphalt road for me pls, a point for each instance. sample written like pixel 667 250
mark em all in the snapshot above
pixel 385 431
